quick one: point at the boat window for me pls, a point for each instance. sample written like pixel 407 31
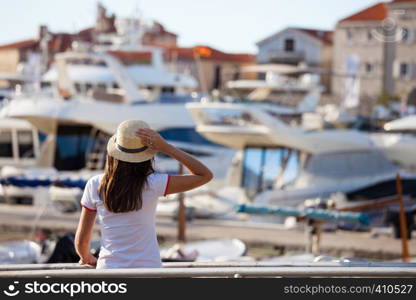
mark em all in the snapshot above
pixel 45 84
pixel 102 86
pixel 6 148
pixel 230 117
pixel 88 86
pixel 41 137
pixel 269 168
pixel 71 146
pixel 252 171
pixel 349 164
pixel 261 76
pixel 25 144
pixel 168 90
pixel 196 153
pixel 192 152
pixel 186 135
pixel 78 87
pixel 172 98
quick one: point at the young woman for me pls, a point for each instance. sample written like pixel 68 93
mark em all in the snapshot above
pixel 125 198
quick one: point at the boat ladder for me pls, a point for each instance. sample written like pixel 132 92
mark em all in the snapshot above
pixel 98 150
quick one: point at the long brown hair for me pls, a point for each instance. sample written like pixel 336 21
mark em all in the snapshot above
pixel 122 184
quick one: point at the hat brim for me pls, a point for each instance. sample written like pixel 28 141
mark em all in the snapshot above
pixel 113 151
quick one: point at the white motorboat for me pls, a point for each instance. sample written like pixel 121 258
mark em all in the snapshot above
pixel 219 250
pixel 63 251
pixel 282 165
pixel 405 124
pixel 276 80
pixel 19 252
pixel 96 89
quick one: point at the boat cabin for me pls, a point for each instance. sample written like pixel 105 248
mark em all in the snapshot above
pixel 19 143
pixel 117 76
pixel 282 164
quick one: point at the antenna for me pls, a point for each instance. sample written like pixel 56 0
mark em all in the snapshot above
pixel 137 11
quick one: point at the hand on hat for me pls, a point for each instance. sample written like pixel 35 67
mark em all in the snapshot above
pixel 151 139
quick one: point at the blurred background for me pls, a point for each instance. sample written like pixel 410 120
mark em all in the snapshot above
pixel 305 113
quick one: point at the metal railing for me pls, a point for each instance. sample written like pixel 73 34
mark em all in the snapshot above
pixel 226 269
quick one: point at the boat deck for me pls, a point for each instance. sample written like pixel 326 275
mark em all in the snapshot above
pixel 20 218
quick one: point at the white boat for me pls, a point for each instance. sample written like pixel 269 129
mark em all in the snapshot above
pixel 405 124
pixel 294 90
pixel 20 252
pixel 92 93
pixel 19 143
pixel 297 90
pixel 274 79
pixel 29 252
pixel 282 165
pixel 206 251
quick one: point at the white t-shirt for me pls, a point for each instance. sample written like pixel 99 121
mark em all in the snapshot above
pixel 128 240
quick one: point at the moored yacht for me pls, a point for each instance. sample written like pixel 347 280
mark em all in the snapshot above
pixel 93 89
pixel 405 124
pixel 281 165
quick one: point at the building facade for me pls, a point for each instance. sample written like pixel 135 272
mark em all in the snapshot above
pixel 12 54
pixel 296 46
pixel 403 79
pixel 355 43
pixel 210 66
pixel 381 42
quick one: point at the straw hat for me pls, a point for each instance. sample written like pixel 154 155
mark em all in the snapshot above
pixel 126 146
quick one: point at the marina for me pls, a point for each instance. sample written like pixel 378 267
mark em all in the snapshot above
pixel 310 143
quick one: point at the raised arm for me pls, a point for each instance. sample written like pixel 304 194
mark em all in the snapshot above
pixel 200 174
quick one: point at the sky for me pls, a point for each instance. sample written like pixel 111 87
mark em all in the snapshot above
pixel 228 25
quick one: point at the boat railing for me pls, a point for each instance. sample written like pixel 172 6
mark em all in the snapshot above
pixel 217 269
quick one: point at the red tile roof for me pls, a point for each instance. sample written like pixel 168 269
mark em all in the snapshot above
pixel 323 35
pixel 60 42
pixel 86 30
pixel 377 12
pixel 214 54
pixel 20 45
pixel 162 29
pixel 129 57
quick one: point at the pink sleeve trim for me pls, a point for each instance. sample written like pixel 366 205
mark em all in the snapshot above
pixel 167 185
pixel 87 208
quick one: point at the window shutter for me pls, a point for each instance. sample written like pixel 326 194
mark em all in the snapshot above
pixel 396 69
pixel 412 67
pixel 411 35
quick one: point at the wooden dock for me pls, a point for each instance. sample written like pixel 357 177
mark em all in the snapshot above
pixel 20 218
